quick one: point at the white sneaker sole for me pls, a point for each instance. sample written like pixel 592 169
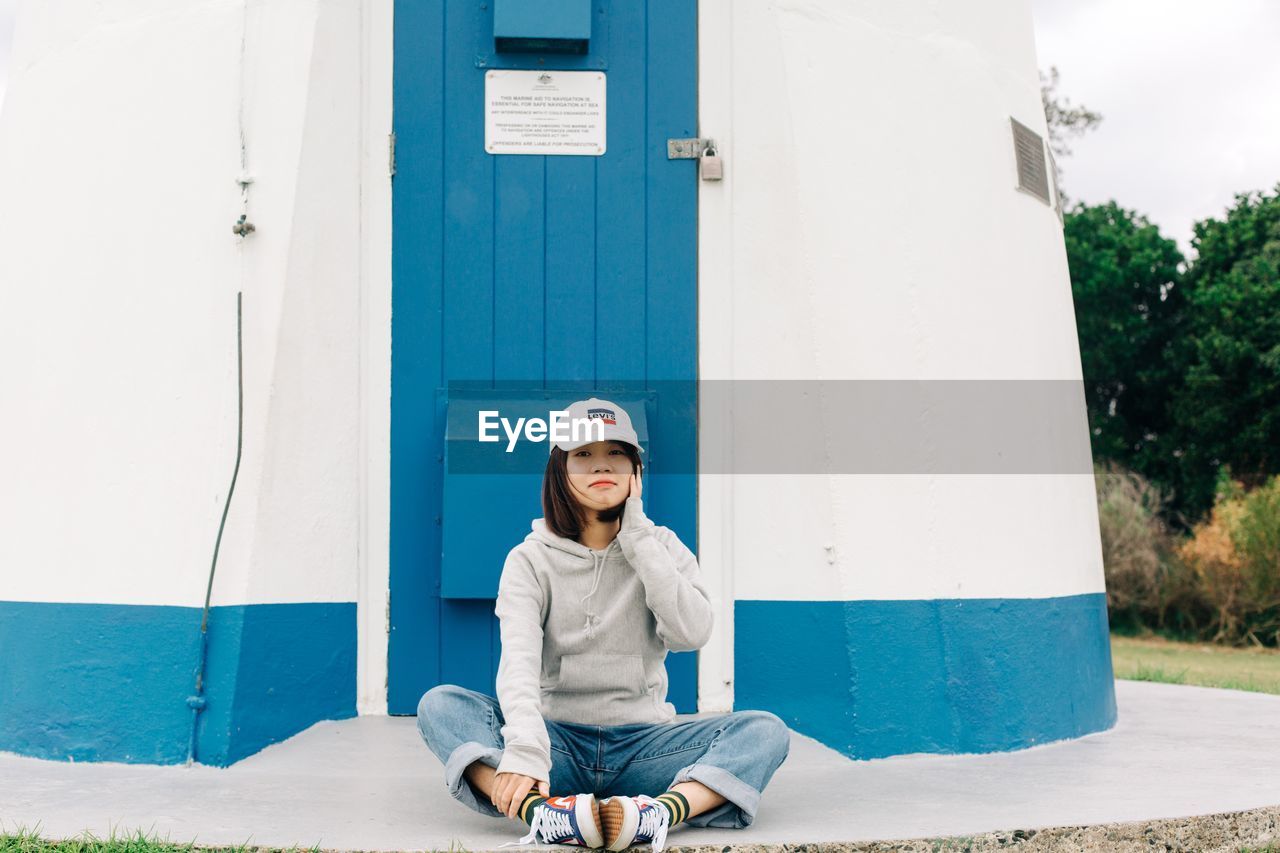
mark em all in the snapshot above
pixel 587 811
pixel 623 813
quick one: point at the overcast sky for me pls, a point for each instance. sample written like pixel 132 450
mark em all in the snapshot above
pixel 1189 91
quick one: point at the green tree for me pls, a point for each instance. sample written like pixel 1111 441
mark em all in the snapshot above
pixel 1227 408
pixel 1064 120
pixel 1128 303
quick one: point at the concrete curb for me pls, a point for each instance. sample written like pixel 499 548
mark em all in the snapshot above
pixel 1256 829
pixel 368 783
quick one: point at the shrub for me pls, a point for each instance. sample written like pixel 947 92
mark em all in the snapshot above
pixel 1146 581
pixel 1235 554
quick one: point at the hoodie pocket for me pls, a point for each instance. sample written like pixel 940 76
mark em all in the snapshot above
pixel 607 674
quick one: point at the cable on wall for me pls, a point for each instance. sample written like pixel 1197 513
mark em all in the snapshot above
pixel 196 702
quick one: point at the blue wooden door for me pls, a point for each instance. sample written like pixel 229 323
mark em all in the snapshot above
pixel 575 275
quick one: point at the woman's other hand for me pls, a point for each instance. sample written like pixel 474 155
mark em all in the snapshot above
pixel 509 790
pixel 636 485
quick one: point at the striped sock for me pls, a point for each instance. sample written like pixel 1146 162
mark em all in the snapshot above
pixel 676 804
pixel 531 799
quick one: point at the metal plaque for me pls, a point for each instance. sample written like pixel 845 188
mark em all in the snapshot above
pixel 1028 149
pixel 544 112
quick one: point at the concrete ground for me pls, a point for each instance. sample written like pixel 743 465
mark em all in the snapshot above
pixel 371 784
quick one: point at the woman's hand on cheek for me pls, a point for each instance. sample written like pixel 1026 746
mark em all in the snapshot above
pixel 636 486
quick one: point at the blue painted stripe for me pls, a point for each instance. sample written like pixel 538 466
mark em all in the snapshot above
pixel 109 682
pixel 878 678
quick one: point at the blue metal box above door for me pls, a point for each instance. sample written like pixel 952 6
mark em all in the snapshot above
pixel 551 26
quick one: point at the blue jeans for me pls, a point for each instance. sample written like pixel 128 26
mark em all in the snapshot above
pixel 733 754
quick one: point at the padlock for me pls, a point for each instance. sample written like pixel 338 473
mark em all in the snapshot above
pixel 710 166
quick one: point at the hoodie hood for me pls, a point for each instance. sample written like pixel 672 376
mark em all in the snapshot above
pixel 542 533
pixel 578 551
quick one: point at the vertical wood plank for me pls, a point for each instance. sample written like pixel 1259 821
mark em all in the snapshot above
pixel 621 344
pixel 671 291
pixel 416 329
pixel 520 236
pixel 570 266
pixel 468 205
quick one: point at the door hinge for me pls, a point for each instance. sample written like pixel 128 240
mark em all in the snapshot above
pixel 391 154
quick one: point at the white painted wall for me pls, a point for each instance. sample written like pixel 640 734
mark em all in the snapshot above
pixel 868 228
pixel 120 145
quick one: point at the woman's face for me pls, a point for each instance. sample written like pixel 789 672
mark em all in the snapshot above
pixel 599 474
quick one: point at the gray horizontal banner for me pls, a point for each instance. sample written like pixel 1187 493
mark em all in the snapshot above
pixel 797 426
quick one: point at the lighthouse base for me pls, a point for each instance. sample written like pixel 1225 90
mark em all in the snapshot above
pixel 879 678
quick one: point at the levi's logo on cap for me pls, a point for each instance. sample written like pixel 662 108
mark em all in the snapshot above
pixel 606 415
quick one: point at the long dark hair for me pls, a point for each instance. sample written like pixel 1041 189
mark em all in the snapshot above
pixel 564 515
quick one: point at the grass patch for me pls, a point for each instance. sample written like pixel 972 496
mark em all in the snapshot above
pixel 1143 672
pixel 30 841
pixel 1153 658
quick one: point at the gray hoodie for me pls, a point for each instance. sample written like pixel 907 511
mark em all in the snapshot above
pixel 585 633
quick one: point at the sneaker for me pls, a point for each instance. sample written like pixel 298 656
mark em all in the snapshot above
pixel 634 820
pixel 574 819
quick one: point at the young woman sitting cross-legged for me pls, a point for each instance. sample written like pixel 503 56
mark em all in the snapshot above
pixel 589 604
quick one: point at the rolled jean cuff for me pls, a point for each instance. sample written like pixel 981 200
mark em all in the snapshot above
pixel 733 789
pixel 459 788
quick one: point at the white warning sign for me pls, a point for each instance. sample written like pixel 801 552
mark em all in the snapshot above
pixel 544 112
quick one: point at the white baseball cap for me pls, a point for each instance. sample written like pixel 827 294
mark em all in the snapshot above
pixel 616 424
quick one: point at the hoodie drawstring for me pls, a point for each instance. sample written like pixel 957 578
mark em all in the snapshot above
pixel 598 562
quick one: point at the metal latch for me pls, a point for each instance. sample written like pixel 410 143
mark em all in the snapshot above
pixel 688 149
